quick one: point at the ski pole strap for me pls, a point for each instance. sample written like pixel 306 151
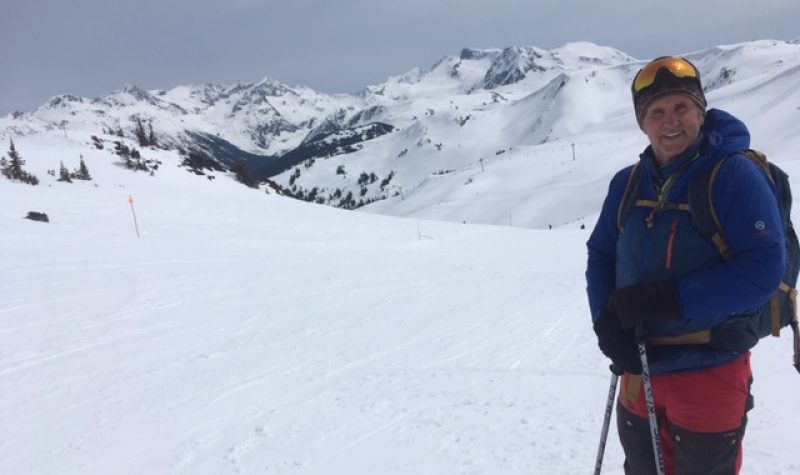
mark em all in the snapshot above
pixel 695 338
pixel 631 389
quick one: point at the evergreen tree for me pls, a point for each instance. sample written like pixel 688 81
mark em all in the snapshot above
pixel 63 174
pixel 12 167
pixel 30 179
pixel 122 149
pixel 83 171
pixel 15 163
pixel 135 162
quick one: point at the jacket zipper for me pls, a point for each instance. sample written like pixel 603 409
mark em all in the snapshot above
pixel 671 243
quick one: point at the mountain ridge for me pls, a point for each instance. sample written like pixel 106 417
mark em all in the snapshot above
pixel 467 109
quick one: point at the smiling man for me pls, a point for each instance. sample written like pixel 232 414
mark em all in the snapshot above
pixel 652 275
pixel 672 123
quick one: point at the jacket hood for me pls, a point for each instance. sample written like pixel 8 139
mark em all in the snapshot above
pixel 725 133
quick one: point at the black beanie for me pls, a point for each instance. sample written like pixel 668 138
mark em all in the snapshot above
pixel 666 83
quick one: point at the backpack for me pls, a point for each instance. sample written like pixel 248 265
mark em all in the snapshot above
pixel 781 309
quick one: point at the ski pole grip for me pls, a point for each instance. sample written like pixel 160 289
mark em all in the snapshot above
pixel 616 370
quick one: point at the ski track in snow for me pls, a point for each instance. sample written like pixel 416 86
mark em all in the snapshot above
pixel 279 363
pixel 391 357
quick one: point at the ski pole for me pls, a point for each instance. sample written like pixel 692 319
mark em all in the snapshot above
pixel 651 404
pixel 612 392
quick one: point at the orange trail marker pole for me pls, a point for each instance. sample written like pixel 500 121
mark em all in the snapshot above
pixel 135 223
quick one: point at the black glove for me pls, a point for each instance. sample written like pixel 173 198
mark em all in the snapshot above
pixel 656 301
pixel 619 345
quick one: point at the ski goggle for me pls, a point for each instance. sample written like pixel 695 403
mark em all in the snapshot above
pixel 678 67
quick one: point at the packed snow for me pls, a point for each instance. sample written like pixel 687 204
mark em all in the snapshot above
pixel 246 332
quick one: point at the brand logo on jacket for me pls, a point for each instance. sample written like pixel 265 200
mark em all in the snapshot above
pixel 761 230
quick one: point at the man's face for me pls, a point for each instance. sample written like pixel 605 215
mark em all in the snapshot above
pixel 672 123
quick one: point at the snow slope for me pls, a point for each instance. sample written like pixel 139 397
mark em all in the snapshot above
pixel 250 333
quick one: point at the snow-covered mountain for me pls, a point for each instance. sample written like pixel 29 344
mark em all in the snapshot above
pixel 267 117
pixel 435 143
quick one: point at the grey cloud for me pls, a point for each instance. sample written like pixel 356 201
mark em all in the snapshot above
pixel 91 47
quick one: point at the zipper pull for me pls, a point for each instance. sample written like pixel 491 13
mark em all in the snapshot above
pixel 671 243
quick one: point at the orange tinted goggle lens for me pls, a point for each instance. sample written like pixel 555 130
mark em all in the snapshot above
pixel 677 66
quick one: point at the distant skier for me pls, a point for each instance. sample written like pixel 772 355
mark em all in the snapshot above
pixel 655 276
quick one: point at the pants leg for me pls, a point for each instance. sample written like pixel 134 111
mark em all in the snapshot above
pixel 634 434
pixel 637 443
pixel 707 454
pixel 701 418
pixel 707 415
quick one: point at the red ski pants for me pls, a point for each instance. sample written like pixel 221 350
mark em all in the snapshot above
pixel 701 418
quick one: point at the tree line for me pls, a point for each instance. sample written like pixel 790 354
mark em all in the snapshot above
pixel 12 168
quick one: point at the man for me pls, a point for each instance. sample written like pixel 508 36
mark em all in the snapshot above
pixel 652 275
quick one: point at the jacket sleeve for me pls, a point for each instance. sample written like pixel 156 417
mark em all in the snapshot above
pixel 602 247
pixel 746 205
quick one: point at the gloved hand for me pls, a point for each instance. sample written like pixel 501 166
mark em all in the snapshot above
pixel 656 301
pixel 617 344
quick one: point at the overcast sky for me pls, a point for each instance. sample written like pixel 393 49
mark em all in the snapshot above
pixel 93 47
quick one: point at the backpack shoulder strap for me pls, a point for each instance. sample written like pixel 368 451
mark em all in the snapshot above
pixel 701 203
pixel 761 160
pixel 628 202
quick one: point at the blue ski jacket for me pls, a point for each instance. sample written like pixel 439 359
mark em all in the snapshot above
pixel 715 294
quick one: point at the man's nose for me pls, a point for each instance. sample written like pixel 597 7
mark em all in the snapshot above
pixel 670 118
